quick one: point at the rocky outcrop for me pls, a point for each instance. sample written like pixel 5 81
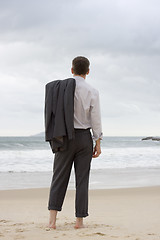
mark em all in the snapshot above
pixel 151 138
pixel 156 138
pixel 147 138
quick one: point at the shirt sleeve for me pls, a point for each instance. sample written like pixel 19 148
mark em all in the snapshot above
pixel 96 124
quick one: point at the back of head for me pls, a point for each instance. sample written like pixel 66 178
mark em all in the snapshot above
pixel 80 65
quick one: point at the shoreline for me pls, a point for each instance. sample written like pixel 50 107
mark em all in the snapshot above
pixel 132 213
pixel 73 190
pixel 99 179
pixel 34 191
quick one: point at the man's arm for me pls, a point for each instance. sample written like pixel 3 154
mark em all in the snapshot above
pixel 96 123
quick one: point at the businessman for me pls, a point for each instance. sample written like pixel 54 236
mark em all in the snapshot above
pixel 75 144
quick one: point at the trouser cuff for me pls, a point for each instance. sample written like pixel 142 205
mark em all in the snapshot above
pixel 55 208
pixel 81 215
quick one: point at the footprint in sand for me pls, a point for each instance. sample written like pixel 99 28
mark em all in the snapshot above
pixel 1 235
pixel 100 234
pixel 47 229
pixel 151 234
pixel 4 221
pixel 20 230
pixel 17 224
pixel 97 233
pixel 101 225
pixel 18 237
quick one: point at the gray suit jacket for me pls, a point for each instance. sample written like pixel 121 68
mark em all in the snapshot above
pixel 59 113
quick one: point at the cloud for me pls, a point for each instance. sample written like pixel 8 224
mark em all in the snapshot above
pixel 38 41
pixel 108 26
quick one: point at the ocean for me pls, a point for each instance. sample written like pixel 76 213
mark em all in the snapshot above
pixel 27 162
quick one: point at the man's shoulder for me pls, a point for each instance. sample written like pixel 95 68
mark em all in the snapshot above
pixel 91 88
pixel 60 81
pixel 69 81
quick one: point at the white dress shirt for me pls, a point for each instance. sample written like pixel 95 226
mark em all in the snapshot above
pixel 87 108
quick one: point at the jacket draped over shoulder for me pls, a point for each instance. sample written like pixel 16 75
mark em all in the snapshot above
pixel 59 113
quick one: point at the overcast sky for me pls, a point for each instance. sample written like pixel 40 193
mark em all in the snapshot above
pixel 121 38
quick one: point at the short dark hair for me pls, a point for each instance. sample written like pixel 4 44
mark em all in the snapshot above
pixel 80 65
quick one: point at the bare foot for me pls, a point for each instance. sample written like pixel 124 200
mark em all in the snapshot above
pixel 79 223
pixel 77 227
pixel 52 225
pixel 52 221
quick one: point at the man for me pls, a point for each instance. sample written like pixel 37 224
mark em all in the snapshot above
pixel 79 149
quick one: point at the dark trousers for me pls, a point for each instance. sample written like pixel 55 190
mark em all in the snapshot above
pixel 79 152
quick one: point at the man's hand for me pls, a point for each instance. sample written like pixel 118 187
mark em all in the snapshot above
pixel 97 149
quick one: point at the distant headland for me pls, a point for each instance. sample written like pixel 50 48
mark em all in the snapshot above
pixel 41 134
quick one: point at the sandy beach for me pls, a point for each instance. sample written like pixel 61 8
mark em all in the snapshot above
pixel 130 213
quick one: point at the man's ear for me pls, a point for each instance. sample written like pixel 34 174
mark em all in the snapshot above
pixel 72 71
pixel 88 71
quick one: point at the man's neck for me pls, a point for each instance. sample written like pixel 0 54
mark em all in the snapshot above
pixel 83 76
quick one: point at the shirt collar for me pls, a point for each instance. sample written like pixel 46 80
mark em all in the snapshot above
pixel 79 78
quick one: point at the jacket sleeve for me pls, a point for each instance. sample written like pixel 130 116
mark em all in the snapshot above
pixel 47 110
pixel 69 107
